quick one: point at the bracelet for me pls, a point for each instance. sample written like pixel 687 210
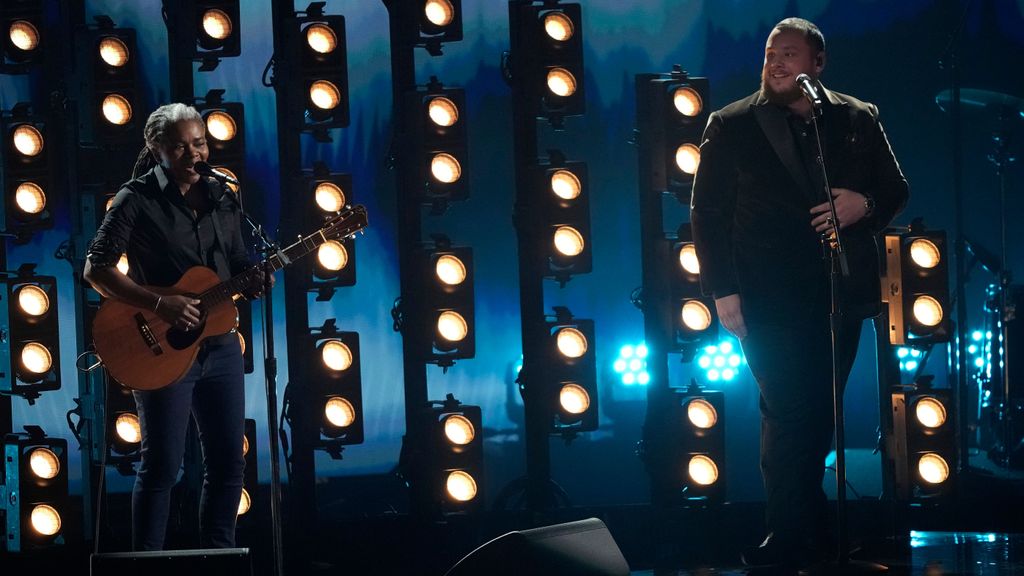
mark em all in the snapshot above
pixel 157 305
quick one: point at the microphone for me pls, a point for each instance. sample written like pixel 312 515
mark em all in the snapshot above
pixel 809 89
pixel 204 169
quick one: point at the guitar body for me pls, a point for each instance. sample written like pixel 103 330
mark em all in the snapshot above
pixel 142 351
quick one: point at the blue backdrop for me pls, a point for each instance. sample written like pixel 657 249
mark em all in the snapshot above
pixel 884 52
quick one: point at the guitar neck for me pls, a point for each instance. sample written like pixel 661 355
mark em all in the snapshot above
pixel 240 283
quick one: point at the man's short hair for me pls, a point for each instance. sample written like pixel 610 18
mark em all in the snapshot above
pixel 815 39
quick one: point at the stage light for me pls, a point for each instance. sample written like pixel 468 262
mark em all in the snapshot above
pixel 109 90
pixel 27 140
pixel 116 109
pixel 688 258
pixel 561 82
pixel 220 125
pixel 439 22
pixel 568 241
pixel 442 111
pixel 30 198
pixel 452 462
pixel 685 460
pixel 458 429
pixel 701 413
pixel 318 90
pixel 574 399
pixel 332 256
pixel 461 486
pixel 696 316
pixel 571 342
pixel 31 345
pixel 450 270
pixel 333 393
pixel 445 168
pixel 925 253
pixel 547 49
pixel 24 36
pixel 566 185
pixel 244 503
pixel 563 202
pixel 672 115
pixel 336 355
pixel 721 361
pixel 22 23
pixel 558 26
pixel 933 469
pixel 36 490
pixel 250 477
pixel 632 365
pixel 927 311
pixel 571 387
pixel 321 38
pixel 122 264
pixel 339 412
pixel 687 101
pixel 452 326
pixel 32 300
pixel 439 12
pixel 924 445
pixel 329 197
pixel 114 52
pixel 217 27
pixel 45 520
pixel 438 139
pixel 702 470
pixel 326 195
pixel 225 130
pixel 688 158
pixel 915 285
pixel 206 30
pixel 448 301
pixel 44 463
pixel 128 428
pixel 930 412
pixel 695 319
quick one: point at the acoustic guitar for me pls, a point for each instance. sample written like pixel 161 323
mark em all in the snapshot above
pixel 143 352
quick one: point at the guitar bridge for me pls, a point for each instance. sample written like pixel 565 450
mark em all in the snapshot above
pixel 147 334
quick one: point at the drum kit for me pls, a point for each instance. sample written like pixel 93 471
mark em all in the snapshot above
pixel 999 380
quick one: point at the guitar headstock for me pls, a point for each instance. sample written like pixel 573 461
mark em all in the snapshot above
pixel 345 223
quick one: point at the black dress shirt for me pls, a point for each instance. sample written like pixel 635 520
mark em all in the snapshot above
pixel 163 236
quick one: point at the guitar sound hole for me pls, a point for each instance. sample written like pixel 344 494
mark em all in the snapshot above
pixel 180 339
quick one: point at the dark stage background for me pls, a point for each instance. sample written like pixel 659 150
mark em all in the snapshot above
pixel 883 52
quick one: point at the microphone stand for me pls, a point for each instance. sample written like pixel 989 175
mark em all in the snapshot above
pixel 838 269
pixel 264 245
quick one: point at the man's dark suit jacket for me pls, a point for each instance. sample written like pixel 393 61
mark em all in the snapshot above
pixel 751 204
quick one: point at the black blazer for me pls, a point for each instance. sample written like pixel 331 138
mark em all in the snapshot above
pixel 751 202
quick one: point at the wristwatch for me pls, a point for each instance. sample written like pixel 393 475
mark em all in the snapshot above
pixel 869 206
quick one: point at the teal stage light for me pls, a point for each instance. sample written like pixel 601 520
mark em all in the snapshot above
pixel 631 365
pixel 722 362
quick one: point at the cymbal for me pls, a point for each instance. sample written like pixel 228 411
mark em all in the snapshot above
pixel 983 100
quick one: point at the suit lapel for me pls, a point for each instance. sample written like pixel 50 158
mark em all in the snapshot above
pixel 772 120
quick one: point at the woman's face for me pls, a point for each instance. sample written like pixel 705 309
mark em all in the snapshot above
pixel 184 144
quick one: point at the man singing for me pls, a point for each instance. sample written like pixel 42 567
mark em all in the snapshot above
pixel 760 215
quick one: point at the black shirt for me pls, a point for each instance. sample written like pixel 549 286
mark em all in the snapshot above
pixel 163 236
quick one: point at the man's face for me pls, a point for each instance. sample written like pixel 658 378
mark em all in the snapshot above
pixel 787 54
pixel 184 145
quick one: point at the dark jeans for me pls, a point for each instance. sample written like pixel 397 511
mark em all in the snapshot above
pixel 792 365
pixel 213 392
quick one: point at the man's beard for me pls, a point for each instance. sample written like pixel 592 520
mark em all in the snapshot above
pixel 783 98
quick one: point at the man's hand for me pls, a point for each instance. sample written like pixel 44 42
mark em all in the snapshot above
pixel 850 208
pixel 179 311
pixel 256 290
pixel 730 314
